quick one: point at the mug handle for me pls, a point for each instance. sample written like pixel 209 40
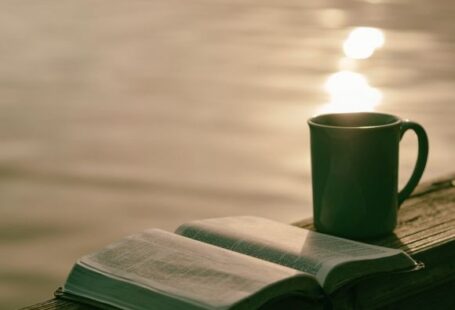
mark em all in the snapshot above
pixel 421 158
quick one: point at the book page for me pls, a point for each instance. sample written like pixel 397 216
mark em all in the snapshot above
pixel 284 244
pixel 187 269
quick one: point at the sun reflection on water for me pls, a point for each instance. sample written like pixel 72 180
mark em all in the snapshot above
pixel 350 91
pixel 362 42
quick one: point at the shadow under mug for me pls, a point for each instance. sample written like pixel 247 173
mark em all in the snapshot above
pixel 354 162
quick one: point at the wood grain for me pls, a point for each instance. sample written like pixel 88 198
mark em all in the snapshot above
pixel 59 304
pixel 426 219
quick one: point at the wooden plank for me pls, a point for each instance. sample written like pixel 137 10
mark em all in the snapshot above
pixel 55 304
pixel 442 297
pixel 390 289
pixel 426 230
pixel 426 219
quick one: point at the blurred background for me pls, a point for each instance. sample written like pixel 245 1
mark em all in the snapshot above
pixel 117 116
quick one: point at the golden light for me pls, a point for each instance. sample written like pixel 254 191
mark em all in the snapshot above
pixel 350 92
pixel 332 18
pixel 362 42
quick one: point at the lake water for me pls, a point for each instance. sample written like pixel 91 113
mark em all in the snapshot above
pixel 118 116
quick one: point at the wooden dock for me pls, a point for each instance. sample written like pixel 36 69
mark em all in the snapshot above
pixel 426 230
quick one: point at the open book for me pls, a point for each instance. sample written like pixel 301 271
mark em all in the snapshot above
pixel 225 263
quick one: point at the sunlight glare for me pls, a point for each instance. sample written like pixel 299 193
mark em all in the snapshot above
pixel 350 92
pixel 362 42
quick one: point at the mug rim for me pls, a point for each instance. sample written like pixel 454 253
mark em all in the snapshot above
pixel 312 121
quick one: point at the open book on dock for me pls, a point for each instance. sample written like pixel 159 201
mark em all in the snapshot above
pixel 226 263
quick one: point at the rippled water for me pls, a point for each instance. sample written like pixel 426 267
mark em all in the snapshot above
pixel 117 116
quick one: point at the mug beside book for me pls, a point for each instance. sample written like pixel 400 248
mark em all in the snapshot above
pixel 354 160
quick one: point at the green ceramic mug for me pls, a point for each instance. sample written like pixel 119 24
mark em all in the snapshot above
pixel 354 161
